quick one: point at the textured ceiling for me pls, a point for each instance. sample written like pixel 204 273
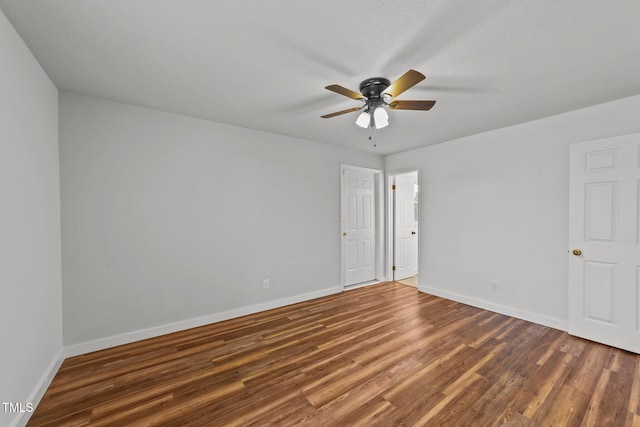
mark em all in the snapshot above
pixel 264 64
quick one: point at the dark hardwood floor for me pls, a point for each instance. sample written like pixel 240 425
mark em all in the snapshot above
pixel 384 355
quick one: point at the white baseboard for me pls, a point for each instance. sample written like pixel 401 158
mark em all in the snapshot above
pixel 40 388
pixel 362 285
pixel 560 324
pixel 129 337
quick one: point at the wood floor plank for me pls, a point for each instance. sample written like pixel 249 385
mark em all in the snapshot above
pixel 382 355
pixel 368 414
pixel 343 407
pixel 413 385
pixel 595 409
pixel 464 383
pixel 542 386
pixel 130 412
pixel 589 368
pixel 634 400
pixel 569 407
pixel 494 405
pixel 617 390
pixel 459 409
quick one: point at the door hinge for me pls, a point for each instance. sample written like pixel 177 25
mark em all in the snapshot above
pixel 393 267
pixel 393 186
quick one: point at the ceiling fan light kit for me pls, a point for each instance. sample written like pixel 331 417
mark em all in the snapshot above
pixel 364 120
pixel 380 117
pixel 377 94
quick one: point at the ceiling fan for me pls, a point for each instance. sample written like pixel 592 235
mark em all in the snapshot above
pixel 378 93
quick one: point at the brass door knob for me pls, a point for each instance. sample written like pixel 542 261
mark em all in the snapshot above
pixel 577 252
pixel 344 234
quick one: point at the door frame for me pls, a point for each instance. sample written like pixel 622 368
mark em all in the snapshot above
pixel 378 178
pixel 391 220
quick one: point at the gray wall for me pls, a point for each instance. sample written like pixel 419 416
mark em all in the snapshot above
pixel 30 288
pixel 167 218
pixel 494 207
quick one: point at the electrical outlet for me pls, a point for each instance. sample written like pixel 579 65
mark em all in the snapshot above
pixel 266 283
pixel 493 286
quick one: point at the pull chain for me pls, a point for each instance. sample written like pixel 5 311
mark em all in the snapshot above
pixel 371 132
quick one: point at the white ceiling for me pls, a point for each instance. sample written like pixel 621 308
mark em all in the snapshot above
pixel 264 64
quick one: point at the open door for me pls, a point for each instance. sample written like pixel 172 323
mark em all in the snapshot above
pixel 405 225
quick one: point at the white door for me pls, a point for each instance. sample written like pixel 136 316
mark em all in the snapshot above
pixel 604 269
pixel 358 219
pixel 405 246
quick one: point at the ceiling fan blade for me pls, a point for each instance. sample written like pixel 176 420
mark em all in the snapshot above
pixel 344 91
pixel 337 113
pixel 412 105
pixel 404 82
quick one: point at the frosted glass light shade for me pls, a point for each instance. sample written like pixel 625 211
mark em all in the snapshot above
pixel 380 118
pixel 363 120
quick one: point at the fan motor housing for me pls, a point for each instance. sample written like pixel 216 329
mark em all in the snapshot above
pixel 373 87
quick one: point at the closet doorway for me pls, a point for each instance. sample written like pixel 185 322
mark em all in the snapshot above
pixel 404 227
